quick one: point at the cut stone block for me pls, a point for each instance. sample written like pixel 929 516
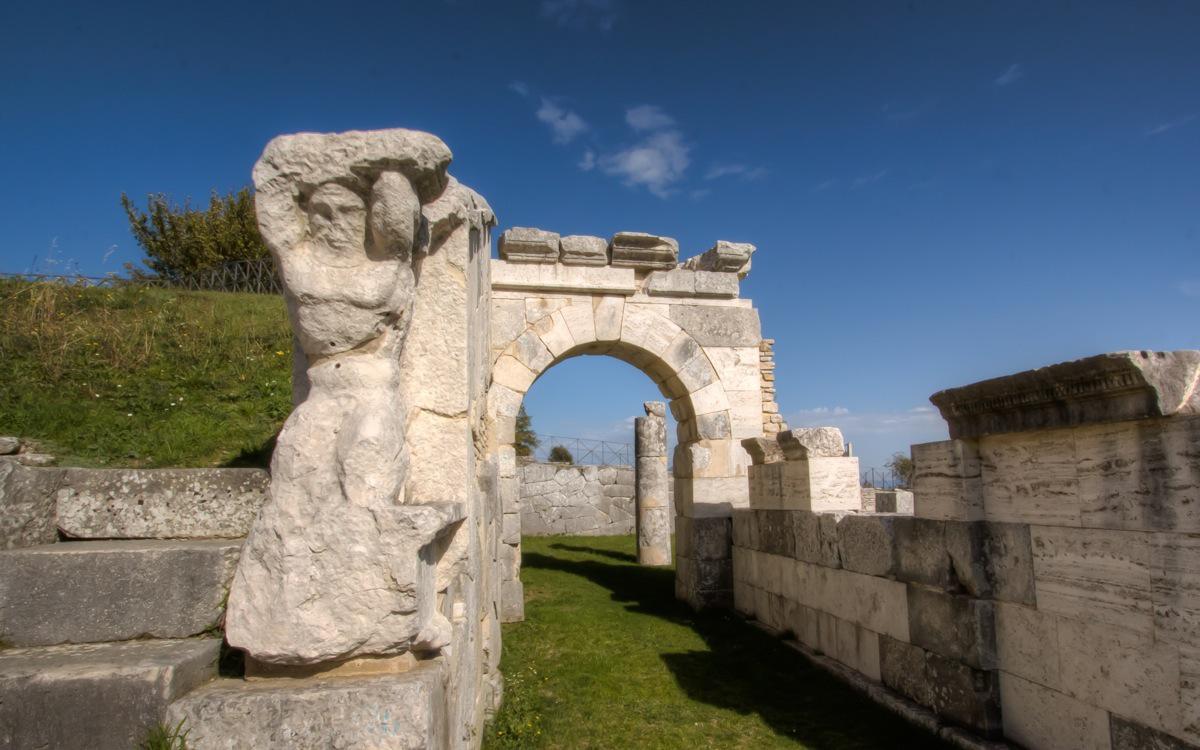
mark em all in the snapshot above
pixel 512 601
pixel 643 251
pixel 728 257
pixel 1129 735
pixel 716 285
pixel 719 325
pixel 528 245
pixel 817 537
pixel 952 690
pixel 1094 574
pixel 947 481
pixel 1175 582
pixel 958 627
pixel 894 501
pixel 821 483
pixel 1038 717
pixel 128 589
pixel 809 442
pixel 676 282
pixel 558 278
pixel 160 503
pixel 1030 478
pixel 27 505
pixel 1104 388
pixel 776 534
pixel 875 603
pixel 393 711
pixel 1027 644
pixel 582 250
pixel 866 544
pixel 103 696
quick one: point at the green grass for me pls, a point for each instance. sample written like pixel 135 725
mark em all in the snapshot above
pixel 606 658
pixel 134 376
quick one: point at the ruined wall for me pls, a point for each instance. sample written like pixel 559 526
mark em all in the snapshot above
pixel 561 499
pixel 1045 590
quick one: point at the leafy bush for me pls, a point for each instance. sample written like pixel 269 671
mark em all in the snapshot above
pixel 180 240
pixel 560 455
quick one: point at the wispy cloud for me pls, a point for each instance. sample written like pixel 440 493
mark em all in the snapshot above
pixel 747 173
pixel 588 161
pixel 648 117
pixel 1010 76
pixel 519 87
pixel 656 163
pixel 1190 287
pixel 581 14
pixel 876 435
pixel 826 185
pixel 564 124
pixel 870 179
pixel 699 194
pixel 1171 125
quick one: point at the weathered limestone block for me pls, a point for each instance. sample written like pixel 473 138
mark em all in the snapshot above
pixel 1094 574
pixel 340 563
pixel 776 534
pixel 719 326
pixel 1141 475
pixel 1104 388
pixel 9 445
pixel 582 250
pixel 1027 644
pixel 27 505
pixel 810 442
pixel 947 481
pixel 953 690
pixel 875 603
pixel 817 537
pixel 1121 670
pixel 676 282
pixel 128 589
pixel 1038 717
pixel 160 503
pixel 942 554
pixel 512 601
pixel 394 711
pixel 961 628
pixel 528 245
pixel 728 257
pixel 842 640
pixel 103 696
pixel 643 251
pixel 716 285
pixel 821 483
pixel 1030 478
pixel 866 544
pixel 557 278
pixel 1175 587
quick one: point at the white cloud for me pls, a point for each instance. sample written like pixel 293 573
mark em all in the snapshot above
pixel 1171 125
pixel 699 194
pixel 588 162
pixel 519 87
pixel 1010 76
pixel 564 124
pixel 648 117
pixel 876 435
pixel 656 163
pixel 746 173
pixel 868 179
pixel 1190 288
pixel 581 14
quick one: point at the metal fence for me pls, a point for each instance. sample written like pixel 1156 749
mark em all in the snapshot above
pixel 249 276
pixel 584 451
pixel 882 479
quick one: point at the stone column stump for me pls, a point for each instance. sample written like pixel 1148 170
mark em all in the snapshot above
pixel 653 486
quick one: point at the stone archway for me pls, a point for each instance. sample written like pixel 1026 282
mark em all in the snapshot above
pixel 684 326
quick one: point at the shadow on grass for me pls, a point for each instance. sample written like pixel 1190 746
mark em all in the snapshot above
pixel 253 458
pixel 744 669
pixel 625 557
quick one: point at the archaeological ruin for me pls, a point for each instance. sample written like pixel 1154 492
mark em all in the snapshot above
pixel 1039 587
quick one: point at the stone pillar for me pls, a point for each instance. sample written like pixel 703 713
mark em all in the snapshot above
pixel 653 504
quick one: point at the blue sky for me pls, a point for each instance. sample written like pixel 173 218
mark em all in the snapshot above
pixel 940 192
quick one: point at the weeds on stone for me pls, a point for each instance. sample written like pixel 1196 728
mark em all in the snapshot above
pixel 164 737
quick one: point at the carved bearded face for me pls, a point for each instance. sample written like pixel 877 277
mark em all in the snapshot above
pixel 337 225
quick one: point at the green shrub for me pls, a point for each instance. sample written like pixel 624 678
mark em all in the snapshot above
pixel 181 240
pixel 162 737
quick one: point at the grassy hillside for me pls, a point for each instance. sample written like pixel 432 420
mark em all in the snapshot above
pixel 133 376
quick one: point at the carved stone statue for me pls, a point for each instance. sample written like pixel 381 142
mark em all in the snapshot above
pixel 340 564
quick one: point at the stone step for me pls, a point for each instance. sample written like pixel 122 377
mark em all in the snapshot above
pixel 90 592
pixel 99 695
pixel 388 711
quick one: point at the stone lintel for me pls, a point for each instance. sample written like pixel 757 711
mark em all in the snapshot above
pixel 1105 388
pixel 528 245
pixel 643 251
pixel 558 278
pixel 729 257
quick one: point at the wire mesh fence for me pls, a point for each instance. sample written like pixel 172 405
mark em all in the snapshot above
pixel 247 276
pixel 584 451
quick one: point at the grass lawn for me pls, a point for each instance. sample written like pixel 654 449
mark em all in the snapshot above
pixel 133 376
pixel 606 658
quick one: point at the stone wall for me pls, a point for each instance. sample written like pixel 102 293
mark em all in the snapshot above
pixel 1044 592
pixel 559 499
